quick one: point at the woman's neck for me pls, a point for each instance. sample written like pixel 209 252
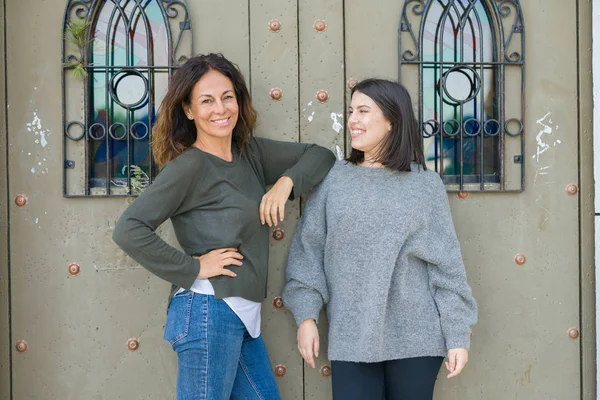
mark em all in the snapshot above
pixel 219 147
pixel 369 163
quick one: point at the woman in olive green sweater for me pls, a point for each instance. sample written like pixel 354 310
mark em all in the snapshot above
pixel 213 188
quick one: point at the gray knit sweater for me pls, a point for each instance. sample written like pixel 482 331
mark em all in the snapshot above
pixel 378 247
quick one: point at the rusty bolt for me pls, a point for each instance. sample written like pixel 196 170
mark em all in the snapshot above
pixel 278 234
pixel 276 93
pixel 572 189
pixel 573 333
pixel 133 344
pixel 74 269
pixel 278 303
pixel 20 200
pixel 462 195
pixel 21 346
pixel 320 25
pixel 520 259
pixel 274 25
pixel 350 83
pixel 322 96
pixel 280 370
pixel 326 370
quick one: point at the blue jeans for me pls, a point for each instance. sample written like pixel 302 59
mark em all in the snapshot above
pixel 217 358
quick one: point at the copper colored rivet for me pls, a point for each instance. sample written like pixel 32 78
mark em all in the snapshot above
pixel 322 96
pixel 276 93
pixel 320 25
pixel 520 259
pixel 21 346
pixel 274 25
pixel 278 303
pixel 74 269
pixel 20 200
pixel 572 189
pixel 278 234
pixel 280 370
pixel 573 333
pixel 133 344
pixel 462 195
pixel 326 370
pixel 350 83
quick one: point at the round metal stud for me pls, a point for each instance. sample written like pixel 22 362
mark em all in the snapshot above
pixel 74 269
pixel 21 346
pixel 573 333
pixel 322 96
pixel 320 25
pixel 520 259
pixel 20 200
pixel 572 189
pixel 278 303
pixel 350 83
pixel 462 195
pixel 278 234
pixel 133 344
pixel 326 370
pixel 276 94
pixel 280 370
pixel 274 25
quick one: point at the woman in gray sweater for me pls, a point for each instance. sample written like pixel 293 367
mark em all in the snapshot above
pixel 377 245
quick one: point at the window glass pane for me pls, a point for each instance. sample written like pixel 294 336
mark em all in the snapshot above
pixel 459 91
pixel 123 102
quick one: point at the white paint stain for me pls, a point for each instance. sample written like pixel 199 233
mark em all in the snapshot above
pixel 309 103
pixel 35 126
pixel 36 220
pixel 542 146
pixel 340 153
pixel 311 117
pixel 337 126
pixel 33 170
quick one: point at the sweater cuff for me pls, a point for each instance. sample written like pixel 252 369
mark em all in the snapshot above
pixel 458 341
pixel 310 308
pixel 189 275
pixel 297 181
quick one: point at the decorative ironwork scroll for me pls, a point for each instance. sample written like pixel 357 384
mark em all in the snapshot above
pixel 469 56
pixel 117 58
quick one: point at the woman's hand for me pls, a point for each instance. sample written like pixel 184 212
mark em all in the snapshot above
pixel 457 359
pixel 214 262
pixel 308 341
pixel 273 202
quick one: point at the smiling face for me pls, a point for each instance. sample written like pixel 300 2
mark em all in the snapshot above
pixel 213 107
pixel 367 125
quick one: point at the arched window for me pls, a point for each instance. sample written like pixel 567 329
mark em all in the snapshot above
pixel 118 56
pixel 467 57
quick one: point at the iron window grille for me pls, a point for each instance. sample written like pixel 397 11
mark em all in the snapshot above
pixel 468 58
pixel 118 57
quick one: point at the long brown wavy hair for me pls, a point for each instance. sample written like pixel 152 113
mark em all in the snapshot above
pixel 173 132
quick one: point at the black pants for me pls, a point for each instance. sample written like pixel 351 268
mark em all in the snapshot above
pixel 406 379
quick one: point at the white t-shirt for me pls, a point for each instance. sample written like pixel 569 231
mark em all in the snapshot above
pixel 248 311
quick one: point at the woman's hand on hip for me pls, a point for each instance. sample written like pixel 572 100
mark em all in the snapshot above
pixel 214 262
pixel 308 341
pixel 457 359
pixel 273 202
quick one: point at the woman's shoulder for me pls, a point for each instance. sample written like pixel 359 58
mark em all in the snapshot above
pixel 190 158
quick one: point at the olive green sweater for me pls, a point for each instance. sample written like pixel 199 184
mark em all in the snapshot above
pixel 213 204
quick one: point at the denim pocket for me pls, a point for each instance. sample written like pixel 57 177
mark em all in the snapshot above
pixel 178 317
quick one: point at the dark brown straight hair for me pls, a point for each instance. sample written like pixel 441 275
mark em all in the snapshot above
pixel 173 132
pixel 403 145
